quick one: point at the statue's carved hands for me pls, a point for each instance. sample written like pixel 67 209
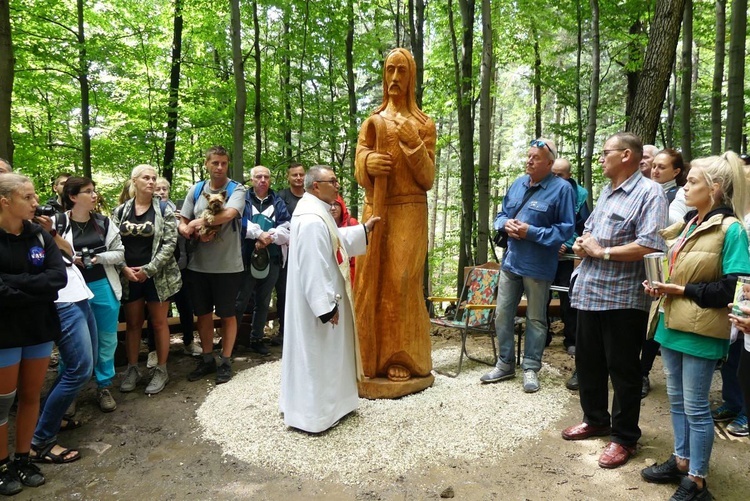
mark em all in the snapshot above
pixel 407 131
pixel 379 164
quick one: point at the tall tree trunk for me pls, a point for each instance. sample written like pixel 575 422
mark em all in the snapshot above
pixel 301 83
pixel 537 86
pixel 718 81
pixel 83 78
pixel 240 103
pixel 686 138
pixel 579 101
pixel 257 108
pixel 635 54
pixel 286 88
pixel 485 139
pixel 671 105
pixel 416 36
pixel 735 85
pixel 174 93
pixel 463 78
pixel 660 56
pixel 594 97
pixel 351 91
pixel 7 73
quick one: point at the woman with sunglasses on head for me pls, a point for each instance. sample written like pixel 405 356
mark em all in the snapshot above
pixel 98 250
pixel 151 276
pixel 31 273
pixel 707 252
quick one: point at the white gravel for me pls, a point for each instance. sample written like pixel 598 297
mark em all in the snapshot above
pixel 454 420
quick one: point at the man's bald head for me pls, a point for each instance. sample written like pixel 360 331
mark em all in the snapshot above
pixel 562 168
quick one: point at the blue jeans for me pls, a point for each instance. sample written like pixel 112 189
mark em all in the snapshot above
pixel 77 347
pixel 731 392
pixel 106 308
pixel 509 291
pixel 260 291
pixel 688 384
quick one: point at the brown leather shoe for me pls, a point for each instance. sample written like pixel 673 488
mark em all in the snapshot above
pixel 582 431
pixel 615 455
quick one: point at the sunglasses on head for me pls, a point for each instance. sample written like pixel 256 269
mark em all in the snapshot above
pixel 541 144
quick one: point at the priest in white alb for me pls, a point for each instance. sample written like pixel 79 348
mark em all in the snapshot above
pixel 320 363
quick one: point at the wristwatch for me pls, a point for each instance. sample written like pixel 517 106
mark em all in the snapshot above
pixel 607 254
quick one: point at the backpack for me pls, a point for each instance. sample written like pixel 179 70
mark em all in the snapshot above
pixel 247 213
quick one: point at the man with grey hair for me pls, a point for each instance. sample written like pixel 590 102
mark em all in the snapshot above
pixel 612 308
pixel 320 363
pixel 264 253
pixel 538 215
pixel 649 153
pixel 5 166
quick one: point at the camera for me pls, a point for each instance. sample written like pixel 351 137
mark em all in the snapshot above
pixel 86 255
pixel 45 210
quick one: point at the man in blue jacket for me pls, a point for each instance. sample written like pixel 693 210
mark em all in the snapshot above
pixel 538 215
pixel 265 250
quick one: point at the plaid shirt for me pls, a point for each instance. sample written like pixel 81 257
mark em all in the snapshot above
pixel 634 212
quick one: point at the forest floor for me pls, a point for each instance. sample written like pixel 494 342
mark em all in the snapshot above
pixel 154 448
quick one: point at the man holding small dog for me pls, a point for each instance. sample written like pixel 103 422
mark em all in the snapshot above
pixel 215 270
pixel 265 253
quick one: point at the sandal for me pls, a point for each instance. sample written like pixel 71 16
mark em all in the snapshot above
pixel 45 454
pixel 68 424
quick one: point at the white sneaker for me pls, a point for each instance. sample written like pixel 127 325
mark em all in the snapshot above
pixel 193 349
pixel 158 382
pixel 132 376
pixel 530 381
pixel 152 360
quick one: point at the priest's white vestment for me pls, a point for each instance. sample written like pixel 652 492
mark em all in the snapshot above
pixel 320 362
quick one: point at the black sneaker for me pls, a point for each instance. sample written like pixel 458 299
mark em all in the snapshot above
pixel 259 348
pixel 645 387
pixel 203 369
pixel 664 473
pixel 28 473
pixel 688 491
pixel 223 373
pixel 9 482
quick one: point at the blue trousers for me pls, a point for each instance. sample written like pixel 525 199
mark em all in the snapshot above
pixel 106 308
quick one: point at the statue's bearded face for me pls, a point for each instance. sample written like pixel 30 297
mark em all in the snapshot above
pixel 397 74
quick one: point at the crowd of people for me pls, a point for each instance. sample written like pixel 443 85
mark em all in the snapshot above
pixel 73 270
pixel 695 215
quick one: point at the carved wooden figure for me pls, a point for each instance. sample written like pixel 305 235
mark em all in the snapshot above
pixel 395 164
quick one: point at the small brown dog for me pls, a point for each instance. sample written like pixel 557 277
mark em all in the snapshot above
pixel 215 205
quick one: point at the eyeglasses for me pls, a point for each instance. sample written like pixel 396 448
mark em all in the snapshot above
pixel 334 182
pixel 87 192
pixel 541 144
pixel 604 153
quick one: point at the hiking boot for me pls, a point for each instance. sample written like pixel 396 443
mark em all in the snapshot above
pixel 572 383
pixel 223 373
pixel 152 360
pixel 507 372
pixel 132 376
pixel 10 484
pixel 645 387
pixel 106 400
pixel 738 427
pixel 723 414
pixel 530 381
pixel 158 381
pixel 688 491
pixel 664 473
pixel 28 473
pixel 259 348
pixel 203 368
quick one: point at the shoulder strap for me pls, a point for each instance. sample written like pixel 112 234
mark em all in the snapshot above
pixel 526 196
pixel 102 223
pixel 61 223
pixel 162 206
pixel 198 190
pixel 41 238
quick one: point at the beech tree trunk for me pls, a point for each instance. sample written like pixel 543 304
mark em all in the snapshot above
pixel 286 73
pixel 485 138
pixel 174 93
pixel 83 78
pixel 593 99
pixel 416 35
pixel 657 64
pixel 240 103
pixel 635 54
pixel 735 85
pixel 718 81
pixel 686 137
pixel 257 107
pixel 7 73
pixel 351 90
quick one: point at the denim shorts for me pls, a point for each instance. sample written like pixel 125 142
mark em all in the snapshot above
pixel 13 356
